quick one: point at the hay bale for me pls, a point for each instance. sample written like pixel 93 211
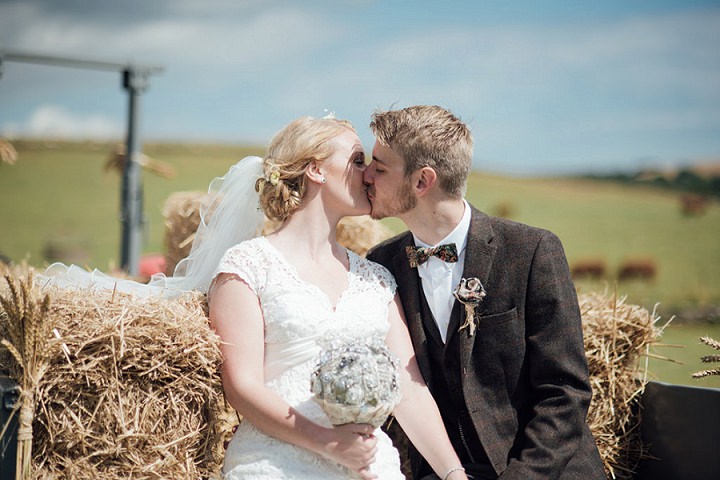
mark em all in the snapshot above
pixel 359 234
pixel 8 154
pixel 617 336
pixel 182 218
pixel 132 389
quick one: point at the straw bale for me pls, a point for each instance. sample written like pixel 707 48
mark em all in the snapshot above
pixel 182 218
pixel 132 389
pixel 617 337
pixel 359 234
pixel 8 154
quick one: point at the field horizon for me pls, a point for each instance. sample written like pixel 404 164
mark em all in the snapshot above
pixel 59 197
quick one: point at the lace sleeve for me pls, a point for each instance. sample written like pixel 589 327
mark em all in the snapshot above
pixel 381 277
pixel 242 260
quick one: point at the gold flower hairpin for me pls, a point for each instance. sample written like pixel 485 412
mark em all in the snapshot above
pixel 274 176
pixel 470 292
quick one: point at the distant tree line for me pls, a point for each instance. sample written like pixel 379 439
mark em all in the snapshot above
pixel 684 180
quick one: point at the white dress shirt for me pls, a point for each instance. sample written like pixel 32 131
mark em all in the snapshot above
pixel 440 278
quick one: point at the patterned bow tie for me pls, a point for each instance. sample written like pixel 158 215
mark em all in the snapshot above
pixel 419 255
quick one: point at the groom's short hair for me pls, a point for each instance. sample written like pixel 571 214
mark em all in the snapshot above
pixel 428 136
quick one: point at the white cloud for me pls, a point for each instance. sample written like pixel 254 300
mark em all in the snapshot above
pixel 56 122
pixel 268 36
pixel 679 49
pixel 626 83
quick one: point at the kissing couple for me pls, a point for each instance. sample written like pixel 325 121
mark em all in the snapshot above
pixel 480 312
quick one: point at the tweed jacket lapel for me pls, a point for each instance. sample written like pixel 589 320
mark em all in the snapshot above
pixel 408 285
pixel 479 255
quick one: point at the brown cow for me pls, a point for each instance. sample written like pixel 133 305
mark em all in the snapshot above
pixel 589 268
pixel 638 268
pixel 693 204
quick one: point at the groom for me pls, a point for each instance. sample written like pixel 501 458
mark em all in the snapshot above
pixel 503 354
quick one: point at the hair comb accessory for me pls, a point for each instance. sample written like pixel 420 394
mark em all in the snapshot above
pixel 329 114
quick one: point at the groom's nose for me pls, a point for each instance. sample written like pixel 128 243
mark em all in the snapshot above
pixel 369 175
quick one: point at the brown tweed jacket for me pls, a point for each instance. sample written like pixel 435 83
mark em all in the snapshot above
pixel 525 376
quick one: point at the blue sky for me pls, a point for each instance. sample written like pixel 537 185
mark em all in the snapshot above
pixel 546 86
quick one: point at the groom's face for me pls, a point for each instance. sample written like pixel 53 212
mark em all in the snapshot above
pixel 390 192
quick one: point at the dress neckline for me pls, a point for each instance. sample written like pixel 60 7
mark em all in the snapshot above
pixel 293 271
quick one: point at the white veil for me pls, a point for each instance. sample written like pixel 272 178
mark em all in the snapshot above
pixel 229 214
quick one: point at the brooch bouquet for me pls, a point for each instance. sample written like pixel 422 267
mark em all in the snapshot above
pixel 356 381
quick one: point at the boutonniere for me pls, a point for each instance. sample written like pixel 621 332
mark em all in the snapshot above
pixel 470 292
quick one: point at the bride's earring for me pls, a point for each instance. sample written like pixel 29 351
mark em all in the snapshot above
pixel 323 180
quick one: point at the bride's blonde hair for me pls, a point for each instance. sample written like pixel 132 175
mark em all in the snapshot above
pixel 291 150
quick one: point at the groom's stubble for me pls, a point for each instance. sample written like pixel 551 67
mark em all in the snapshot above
pixel 402 201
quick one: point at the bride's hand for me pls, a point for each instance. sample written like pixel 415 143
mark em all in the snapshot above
pixel 353 446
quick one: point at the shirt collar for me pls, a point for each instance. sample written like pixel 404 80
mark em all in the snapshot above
pixel 458 236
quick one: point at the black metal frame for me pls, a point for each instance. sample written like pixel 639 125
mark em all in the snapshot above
pixel 135 79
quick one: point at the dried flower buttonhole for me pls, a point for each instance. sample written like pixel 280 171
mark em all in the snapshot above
pixel 470 292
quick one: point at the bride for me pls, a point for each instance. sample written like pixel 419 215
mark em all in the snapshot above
pixel 274 298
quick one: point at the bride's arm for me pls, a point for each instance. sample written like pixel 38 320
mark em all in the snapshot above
pixel 236 316
pixel 417 412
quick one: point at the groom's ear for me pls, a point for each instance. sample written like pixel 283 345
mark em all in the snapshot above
pixel 426 178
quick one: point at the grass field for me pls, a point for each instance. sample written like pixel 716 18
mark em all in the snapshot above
pixel 58 195
pixel 683 346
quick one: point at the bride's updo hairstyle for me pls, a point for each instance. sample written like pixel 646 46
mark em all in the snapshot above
pixel 291 150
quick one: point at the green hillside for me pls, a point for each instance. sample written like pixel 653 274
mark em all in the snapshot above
pixel 57 197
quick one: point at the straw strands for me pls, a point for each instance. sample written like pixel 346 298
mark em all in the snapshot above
pixel 131 389
pixel 617 336
pixel 117 158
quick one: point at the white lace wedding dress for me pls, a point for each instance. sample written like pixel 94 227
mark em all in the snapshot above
pixel 297 315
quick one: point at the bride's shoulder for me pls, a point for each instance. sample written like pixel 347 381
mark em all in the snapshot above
pixel 248 246
pixel 248 250
pixel 374 270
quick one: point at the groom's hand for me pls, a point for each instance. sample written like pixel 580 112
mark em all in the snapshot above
pixel 355 447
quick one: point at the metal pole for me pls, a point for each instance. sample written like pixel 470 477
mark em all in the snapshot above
pixel 135 81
